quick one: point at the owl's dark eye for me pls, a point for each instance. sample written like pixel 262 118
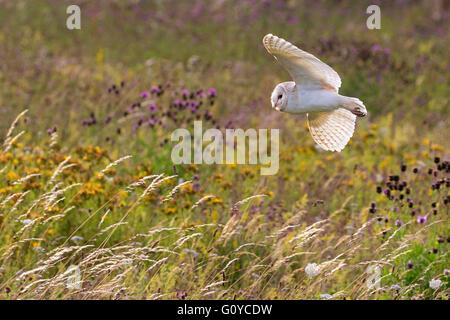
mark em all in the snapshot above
pixel 280 96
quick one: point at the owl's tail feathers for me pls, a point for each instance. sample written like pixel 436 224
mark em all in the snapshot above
pixel 355 106
pixel 332 130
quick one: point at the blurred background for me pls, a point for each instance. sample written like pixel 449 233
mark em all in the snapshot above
pixel 399 69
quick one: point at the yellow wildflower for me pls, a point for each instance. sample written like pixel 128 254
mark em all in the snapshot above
pixel 171 210
pixel 12 176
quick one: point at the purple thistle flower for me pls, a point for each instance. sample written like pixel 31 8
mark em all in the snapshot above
pixel 410 265
pixel 152 107
pixel 193 109
pixel 208 115
pixel 193 103
pixel 108 119
pixel 176 102
pixel 184 92
pixel 398 223
pixel 201 95
pixel 376 48
pixel 152 121
pixel 145 94
pixel 155 89
pixel 421 219
pixel 181 295
pixel 212 93
pixel 49 131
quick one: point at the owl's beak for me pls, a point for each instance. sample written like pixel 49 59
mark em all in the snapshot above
pixel 276 106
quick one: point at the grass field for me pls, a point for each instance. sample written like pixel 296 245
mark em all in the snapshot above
pixel 92 207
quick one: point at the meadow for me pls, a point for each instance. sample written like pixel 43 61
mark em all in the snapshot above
pixel 92 207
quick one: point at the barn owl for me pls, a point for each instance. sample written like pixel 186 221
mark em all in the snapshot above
pixel 330 116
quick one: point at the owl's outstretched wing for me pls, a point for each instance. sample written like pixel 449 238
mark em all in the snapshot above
pixel 306 70
pixel 331 130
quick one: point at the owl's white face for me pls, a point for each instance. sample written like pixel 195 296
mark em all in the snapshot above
pixel 279 97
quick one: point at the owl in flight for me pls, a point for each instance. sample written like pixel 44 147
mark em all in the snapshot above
pixel 331 117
